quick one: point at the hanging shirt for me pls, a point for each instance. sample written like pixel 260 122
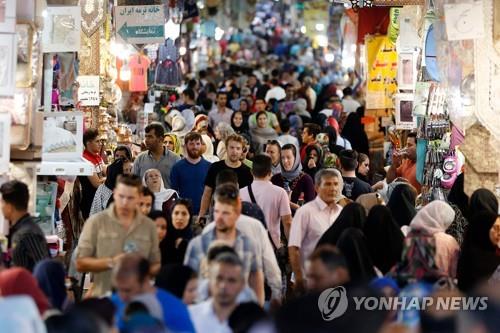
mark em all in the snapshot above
pixel 138 65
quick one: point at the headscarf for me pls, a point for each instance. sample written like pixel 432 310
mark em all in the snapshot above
pixel 384 238
pixel 319 152
pixel 51 276
pixel 176 141
pixel 174 279
pixel 201 120
pixel 161 196
pixel 352 244
pixel 483 199
pixel 20 314
pixel 351 216
pixel 296 168
pixel 243 128
pixel 179 128
pixel 354 132
pixel 369 200
pixel 402 204
pixel 170 250
pixel 209 152
pixel 19 281
pixel 458 197
pixel 433 218
pixel 112 172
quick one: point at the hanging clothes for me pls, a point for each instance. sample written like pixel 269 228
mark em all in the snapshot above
pixel 138 65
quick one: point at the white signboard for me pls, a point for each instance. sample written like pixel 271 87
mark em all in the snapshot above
pixel 464 20
pixel 88 92
pixel 61 29
pixel 140 24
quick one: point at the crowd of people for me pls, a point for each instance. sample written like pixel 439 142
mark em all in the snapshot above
pixel 239 220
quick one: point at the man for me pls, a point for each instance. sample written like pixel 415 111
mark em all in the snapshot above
pixel 260 105
pixel 327 268
pixel 188 175
pixel 273 150
pixel 309 134
pixel 227 280
pixel 131 279
pixel 286 137
pixel 272 199
pixel 185 109
pixel 227 210
pixel 221 113
pixel 353 186
pixel 26 241
pixel 312 220
pixel 157 156
pixel 120 229
pixel 349 103
pixel 275 92
pixel 406 168
pixel 234 146
pixel 91 183
pixel 146 201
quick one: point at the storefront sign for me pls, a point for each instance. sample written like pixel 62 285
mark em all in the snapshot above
pixel 140 24
pixel 88 92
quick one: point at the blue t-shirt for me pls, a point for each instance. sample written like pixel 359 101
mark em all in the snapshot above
pixel 189 180
pixel 175 313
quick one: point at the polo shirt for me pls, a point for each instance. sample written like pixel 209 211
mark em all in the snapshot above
pixel 103 237
pixel 188 180
pixel 146 161
pixel 309 224
pixel 205 319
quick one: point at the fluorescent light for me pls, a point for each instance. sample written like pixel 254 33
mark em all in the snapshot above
pixel 329 57
pixel 320 27
pixel 200 4
pixel 303 29
pixel 182 50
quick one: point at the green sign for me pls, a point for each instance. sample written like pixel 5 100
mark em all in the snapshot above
pixel 126 32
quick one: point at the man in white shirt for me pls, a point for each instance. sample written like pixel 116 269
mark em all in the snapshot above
pixel 349 103
pixel 227 280
pixel 312 220
pixel 272 199
pixel 275 92
pixel 220 113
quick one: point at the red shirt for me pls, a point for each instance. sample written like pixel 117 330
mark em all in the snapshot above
pixel 408 170
pixel 96 160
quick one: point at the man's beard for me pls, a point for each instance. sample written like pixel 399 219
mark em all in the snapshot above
pixel 194 154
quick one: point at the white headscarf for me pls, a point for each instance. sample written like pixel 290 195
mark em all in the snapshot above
pixel 209 152
pixel 435 217
pixel 163 195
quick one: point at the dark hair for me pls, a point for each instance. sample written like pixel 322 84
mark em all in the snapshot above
pixel 147 193
pixel 192 136
pixel 245 316
pixel 285 125
pixel 347 91
pixel 183 202
pixel 75 321
pixel 154 214
pixel 158 129
pixel 262 166
pixel 135 307
pixel 100 307
pixel 202 74
pixel 290 146
pixel 412 135
pixel 189 93
pixel 312 129
pixel 274 82
pixel 16 193
pixel 126 150
pixel 216 250
pixel 226 176
pixel 362 157
pixel 348 160
pixel 132 264
pixel 330 256
pixel 227 194
pixel 221 93
pixel 174 278
pixel 130 180
pixel 89 135
pixel 229 258
pixel 207 104
pixel 260 113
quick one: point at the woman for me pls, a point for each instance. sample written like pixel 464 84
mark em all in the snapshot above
pixel 384 238
pixel 295 182
pixel 402 204
pixel 180 129
pixel 363 168
pixel 351 216
pixel 161 223
pixel 51 277
pixel 459 201
pixel 244 109
pixel 478 258
pixel 164 199
pixel 172 143
pixel 222 131
pixel 433 219
pixel 354 132
pixel 262 133
pixel 19 281
pixel 179 233
pixel 239 123
pixel 201 124
pixel 207 149
pixel 313 161
pixel 104 194
pixel 181 281
pixel 352 244
pixel 483 200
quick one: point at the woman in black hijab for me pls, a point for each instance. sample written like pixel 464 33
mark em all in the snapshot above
pixel 313 160
pixel 352 216
pixel 478 259
pixel 354 132
pixel 180 281
pixel 352 243
pixel 402 204
pixel 179 233
pixel 383 237
pixel 483 200
pixel 239 123
pixel 459 201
